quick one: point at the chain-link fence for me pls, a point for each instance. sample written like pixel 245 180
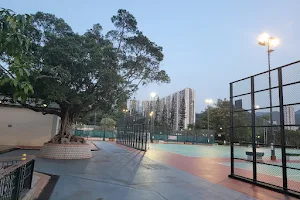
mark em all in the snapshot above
pixel 166 135
pixel 265 134
pixel 96 134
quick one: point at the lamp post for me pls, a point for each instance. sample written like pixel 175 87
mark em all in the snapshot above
pixel 151 125
pixel 125 127
pixel 208 102
pixel 266 40
pixel 153 98
pixel 95 121
pixel 104 128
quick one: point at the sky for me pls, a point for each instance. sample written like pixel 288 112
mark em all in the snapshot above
pixel 206 44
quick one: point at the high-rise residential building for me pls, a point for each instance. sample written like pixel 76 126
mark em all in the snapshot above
pixel 148 106
pixel 289 117
pixel 239 104
pixel 134 106
pixel 174 100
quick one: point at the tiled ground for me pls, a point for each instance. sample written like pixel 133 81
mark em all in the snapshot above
pixel 117 172
pixel 209 169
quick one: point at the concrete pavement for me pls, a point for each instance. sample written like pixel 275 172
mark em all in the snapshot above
pixel 115 173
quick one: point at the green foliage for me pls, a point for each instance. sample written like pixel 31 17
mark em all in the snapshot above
pixel 84 74
pixel 292 137
pixel 164 116
pixel 107 124
pixel 14 45
pixel 191 126
pixel 106 121
pixel 157 112
pixel 139 57
pixel 219 121
pixel 172 114
pixel 181 114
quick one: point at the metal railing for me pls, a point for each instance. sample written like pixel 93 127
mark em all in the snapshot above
pixel 134 136
pixel 264 129
pixel 15 177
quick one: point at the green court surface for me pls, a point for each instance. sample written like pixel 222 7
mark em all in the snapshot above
pixel 221 151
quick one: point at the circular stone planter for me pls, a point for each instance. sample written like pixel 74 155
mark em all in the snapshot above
pixel 65 151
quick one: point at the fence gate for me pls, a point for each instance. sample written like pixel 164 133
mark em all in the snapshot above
pixel 264 129
pixel 134 135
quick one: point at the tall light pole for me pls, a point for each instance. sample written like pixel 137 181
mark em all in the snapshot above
pixel 104 128
pixel 125 126
pixel 208 102
pixel 266 40
pixel 151 123
pixel 153 98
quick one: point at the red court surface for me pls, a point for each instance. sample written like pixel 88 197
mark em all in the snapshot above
pixel 209 169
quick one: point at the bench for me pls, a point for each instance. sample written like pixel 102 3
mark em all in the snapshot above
pixel 259 155
pixel 288 155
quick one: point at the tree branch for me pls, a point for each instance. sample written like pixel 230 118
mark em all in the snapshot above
pixel 6 71
pixel 46 76
pixel 53 111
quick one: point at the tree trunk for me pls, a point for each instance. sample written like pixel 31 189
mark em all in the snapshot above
pixel 65 135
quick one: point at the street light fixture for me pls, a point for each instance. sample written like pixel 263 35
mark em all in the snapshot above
pixel 266 40
pixel 153 95
pixel 209 101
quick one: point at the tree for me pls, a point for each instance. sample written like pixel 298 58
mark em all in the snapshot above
pixel 157 112
pixel 181 114
pixel 107 124
pixel 220 117
pixel 75 75
pixel 172 113
pixel 164 116
pixel 139 58
pixel 14 46
pixel 191 126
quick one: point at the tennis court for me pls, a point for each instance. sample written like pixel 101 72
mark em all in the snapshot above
pixel 223 152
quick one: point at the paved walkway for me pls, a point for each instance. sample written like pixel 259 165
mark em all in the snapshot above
pixel 6 148
pixel 116 173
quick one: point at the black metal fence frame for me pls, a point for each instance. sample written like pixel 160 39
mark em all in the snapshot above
pixel 253 126
pixel 134 136
pixel 15 177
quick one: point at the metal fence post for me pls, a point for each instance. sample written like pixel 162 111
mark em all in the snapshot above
pixel 31 173
pixel 146 142
pixel 142 141
pixel 282 130
pixel 253 130
pixel 231 130
pixel 16 193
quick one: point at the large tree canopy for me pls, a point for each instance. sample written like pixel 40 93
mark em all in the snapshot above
pixel 73 75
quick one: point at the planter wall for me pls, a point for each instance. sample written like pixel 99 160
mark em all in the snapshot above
pixel 65 151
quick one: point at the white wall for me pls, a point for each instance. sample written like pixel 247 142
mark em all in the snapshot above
pixel 28 128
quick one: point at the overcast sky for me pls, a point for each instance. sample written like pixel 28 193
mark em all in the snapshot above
pixel 207 44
